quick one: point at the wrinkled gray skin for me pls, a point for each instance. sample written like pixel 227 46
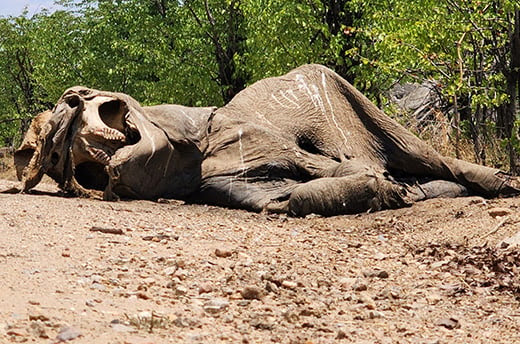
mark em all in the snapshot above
pixel 306 142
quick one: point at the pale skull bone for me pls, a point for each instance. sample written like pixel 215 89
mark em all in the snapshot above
pixel 98 138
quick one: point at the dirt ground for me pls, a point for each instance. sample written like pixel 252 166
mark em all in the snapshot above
pixel 90 271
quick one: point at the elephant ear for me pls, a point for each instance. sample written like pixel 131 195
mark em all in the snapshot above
pixel 45 146
pixel 26 151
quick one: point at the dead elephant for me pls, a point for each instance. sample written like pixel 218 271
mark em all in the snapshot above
pixel 306 142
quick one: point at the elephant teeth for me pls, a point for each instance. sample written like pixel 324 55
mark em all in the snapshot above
pixel 110 134
pixel 99 155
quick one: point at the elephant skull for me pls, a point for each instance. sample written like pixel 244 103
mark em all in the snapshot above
pixel 101 131
pixel 105 141
pixel 103 128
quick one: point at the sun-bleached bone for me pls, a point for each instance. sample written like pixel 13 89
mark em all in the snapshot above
pixel 96 140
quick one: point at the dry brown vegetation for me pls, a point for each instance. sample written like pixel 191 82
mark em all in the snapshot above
pixel 7 167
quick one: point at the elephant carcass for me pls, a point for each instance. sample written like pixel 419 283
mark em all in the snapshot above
pixel 306 142
pixel 104 141
pixel 345 155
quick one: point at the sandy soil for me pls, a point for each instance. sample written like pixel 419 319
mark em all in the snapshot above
pixel 90 271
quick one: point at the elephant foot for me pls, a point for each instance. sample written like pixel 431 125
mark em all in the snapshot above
pixel 347 195
pixel 510 186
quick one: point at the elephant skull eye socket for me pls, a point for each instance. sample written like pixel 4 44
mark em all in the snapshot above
pixel 112 113
pixel 73 101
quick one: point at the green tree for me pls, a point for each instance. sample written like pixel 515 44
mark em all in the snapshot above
pixel 467 46
pixel 21 94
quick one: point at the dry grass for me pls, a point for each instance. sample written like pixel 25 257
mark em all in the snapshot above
pixel 440 134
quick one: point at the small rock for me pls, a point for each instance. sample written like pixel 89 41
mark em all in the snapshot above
pixel 243 329
pixel 65 253
pixel 216 305
pixel 142 296
pixel 291 316
pixel 263 322
pixel 114 281
pixel 90 303
pixel 67 333
pixel 346 283
pixel 223 252
pixel 251 293
pixel 359 285
pixel 31 271
pixel 380 256
pixel 181 274
pixel 205 288
pixel 433 298
pixel 365 299
pixel 323 283
pixel 497 212
pixel 341 335
pixel 180 263
pixel 228 291
pixel 478 200
pixel 170 271
pixel 289 284
pixel 435 341
pixel 244 259
pixel 449 323
pixel 267 276
pixel 271 287
pixel 373 314
pixel 376 273
pixel 145 316
pixel 181 322
pixel 360 316
pixel 181 290
pixel 381 237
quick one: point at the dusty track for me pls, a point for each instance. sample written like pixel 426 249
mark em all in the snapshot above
pixel 181 273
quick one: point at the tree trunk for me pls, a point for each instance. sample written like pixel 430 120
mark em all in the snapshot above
pixel 513 88
pixel 227 44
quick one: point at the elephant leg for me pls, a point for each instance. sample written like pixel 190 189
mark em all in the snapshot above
pixel 482 180
pixel 436 189
pixel 346 195
pixel 243 193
